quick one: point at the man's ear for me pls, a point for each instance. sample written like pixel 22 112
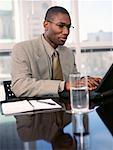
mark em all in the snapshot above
pixel 46 25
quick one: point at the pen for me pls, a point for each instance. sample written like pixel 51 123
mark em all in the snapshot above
pixel 31 104
pixel 47 103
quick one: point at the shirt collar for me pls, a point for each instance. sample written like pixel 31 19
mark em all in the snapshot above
pixel 49 49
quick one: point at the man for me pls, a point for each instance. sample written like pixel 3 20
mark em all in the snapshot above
pixel 32 61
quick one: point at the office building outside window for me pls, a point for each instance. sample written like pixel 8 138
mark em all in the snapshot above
pixel 96 36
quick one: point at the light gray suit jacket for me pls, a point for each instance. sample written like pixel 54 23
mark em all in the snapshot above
pixel 31 68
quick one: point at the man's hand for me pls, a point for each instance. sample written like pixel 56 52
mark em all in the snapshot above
pixel 67 86
pixel 93 82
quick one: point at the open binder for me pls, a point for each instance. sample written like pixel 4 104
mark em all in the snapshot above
pixel 16 107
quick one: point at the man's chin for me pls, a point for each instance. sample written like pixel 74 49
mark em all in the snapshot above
pixel 62 42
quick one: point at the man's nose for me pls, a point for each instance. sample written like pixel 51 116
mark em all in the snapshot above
pixel 66 30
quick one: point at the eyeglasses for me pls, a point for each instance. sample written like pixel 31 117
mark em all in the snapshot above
pixel 62 25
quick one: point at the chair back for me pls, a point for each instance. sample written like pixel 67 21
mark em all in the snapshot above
pixel 8 93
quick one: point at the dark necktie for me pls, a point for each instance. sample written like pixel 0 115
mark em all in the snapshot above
pixel 56 67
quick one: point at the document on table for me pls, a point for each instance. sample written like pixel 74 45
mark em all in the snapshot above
pixel 16 107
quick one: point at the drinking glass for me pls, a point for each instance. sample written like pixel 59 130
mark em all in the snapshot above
pixel 79 96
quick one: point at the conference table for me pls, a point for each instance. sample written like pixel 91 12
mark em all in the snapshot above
pixel 59 129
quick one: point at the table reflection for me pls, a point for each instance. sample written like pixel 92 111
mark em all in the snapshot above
pixel 48 127
pixel 80 130
pixel 106 114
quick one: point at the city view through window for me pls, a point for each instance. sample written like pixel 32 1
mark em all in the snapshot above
pixel 95 24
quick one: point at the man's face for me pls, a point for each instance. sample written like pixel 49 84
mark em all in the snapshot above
pixel 57 29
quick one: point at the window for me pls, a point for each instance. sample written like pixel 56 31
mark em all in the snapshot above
pixel 95 30
pixel 7 30
pixel 95 19
pixel 5 65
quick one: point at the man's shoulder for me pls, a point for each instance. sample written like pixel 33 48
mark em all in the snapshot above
pixel 28 42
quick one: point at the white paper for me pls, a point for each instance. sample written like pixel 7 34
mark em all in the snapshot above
pixel 28 105
pixel 44 104
pixel 16 107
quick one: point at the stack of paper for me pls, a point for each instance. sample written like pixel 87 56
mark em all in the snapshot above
pixel 28 105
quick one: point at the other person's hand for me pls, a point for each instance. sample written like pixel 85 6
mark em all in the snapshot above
pixel 93 82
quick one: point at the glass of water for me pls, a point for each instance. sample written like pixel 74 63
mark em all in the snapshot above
pixel 79 96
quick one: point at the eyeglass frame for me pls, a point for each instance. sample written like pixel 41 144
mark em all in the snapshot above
pixel 62 25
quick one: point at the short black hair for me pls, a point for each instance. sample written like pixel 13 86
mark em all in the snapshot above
pixel 54 10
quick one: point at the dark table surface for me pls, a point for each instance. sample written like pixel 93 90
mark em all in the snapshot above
pixel 59 130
